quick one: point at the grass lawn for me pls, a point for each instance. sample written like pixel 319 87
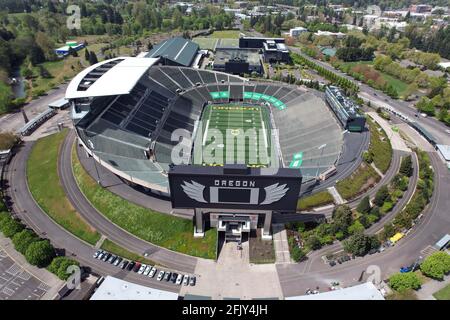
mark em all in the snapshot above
pixel 223 34
pixel 316 200
pixel 380 147
pixel 206 43
pixel 358 182
pixel 398 85
pixel 114 248
pixel 443 294
pixel 47 190
pixel 161 229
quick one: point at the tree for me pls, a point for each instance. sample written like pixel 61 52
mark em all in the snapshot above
pixel 342 218
pixel 59 266
pixel 356 227
pixel 7 140
pixel 40 253
pixel 86 54
pixel 313 242
pixel 92 58
pixel 381 196
pixel 23 239
pixel 436 265
pixel 297 254
pixel 364 205
pixel 359 244
pixel 406 166
pixel 10 227
pixel 404 281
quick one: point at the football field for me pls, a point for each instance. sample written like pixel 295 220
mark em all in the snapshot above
pixel 234 134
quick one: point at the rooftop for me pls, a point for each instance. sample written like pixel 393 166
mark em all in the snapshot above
pixel 365 291
pixel 179 50
pixel 116 289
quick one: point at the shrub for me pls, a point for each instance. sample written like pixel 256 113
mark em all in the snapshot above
pixel 23 239
pixel 364 205
pixel 313 242
pixel 436 265
pixel 406 166
pixel 10 227
pixel 59 266
pixel 381 195
pixel 387 206
pixel 356 227
pixel 297 254
pixel 404 281
pixel 40 253
pixel 359 244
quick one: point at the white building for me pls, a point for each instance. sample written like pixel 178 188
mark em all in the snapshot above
pixel 330 34
pixel 295 32
pixel 365 291
pixel 116 289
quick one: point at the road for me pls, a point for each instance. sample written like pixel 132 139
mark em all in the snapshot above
pixel 26 209
pixel 14 121
pixel 297 278
pixel 113 232
pixel 435 127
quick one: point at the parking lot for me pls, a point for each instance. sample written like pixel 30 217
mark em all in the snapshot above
pixel 16 283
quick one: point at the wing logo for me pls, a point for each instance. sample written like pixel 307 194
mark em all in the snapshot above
pixel 194 190
pixel 274 193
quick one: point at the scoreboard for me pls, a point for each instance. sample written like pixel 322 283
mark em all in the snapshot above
pixel 234 187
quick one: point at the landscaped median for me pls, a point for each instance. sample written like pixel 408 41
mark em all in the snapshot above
pixel 316 200
pixel 46 188
pixel 158 228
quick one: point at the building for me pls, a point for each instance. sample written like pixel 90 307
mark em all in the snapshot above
pixel 444 151
pixel 274 49
pixel 70 45
pixel 330 34
pixel 345 109
pixel 116 289
pixel 295 32
pixel 175 52
pixel 365 291
pixel 238 61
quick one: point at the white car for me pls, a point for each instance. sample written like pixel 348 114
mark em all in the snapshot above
pixel 423 115
pixel 160 275
pixel 147 270
pixel 179 279
pixel 186 280
pixel 152 272
pixel 448 131
pixel 142 269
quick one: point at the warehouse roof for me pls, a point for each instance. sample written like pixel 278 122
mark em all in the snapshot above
pixel 179 50
pixel 116 289
pixel 365 291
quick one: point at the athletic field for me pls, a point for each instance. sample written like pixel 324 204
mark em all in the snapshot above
pixel 234 134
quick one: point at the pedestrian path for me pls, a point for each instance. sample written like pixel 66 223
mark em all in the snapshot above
pixel 336 196
pixel 281 245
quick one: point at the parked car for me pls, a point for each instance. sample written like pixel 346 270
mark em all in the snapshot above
pixel 131 265
pixel 174 276
pixel 185 280
pixel 179 279
pixel 123 265
pixel 101 255
pixel 97 253
pixel 332 263
pixel 112 259
pixel 192 281
pixel 152 272
pixel 147 270
pixel 118 261
pixel 160 275
pixel 142 268
pixel 137 266
pixel 167 275
pixel 405 269
pixel 106 256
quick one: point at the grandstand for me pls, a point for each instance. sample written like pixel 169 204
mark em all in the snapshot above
pixel 153 122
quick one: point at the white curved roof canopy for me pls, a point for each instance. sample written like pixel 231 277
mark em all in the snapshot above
pixel 120 79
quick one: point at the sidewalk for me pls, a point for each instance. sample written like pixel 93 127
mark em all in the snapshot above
pixel 281 244
pixel 40 274
pixel 427 289
pixel 396 140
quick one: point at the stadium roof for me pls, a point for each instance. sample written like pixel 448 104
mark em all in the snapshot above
pixel 116 289
pixel 107 80
pixel 365 291
pixel 224 55
pixel 178 50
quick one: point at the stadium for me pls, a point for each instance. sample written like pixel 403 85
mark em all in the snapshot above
pixel 138 119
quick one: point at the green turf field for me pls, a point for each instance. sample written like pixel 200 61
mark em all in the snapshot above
pixel 235 134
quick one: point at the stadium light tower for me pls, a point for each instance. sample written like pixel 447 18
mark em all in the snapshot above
pixel 318 161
